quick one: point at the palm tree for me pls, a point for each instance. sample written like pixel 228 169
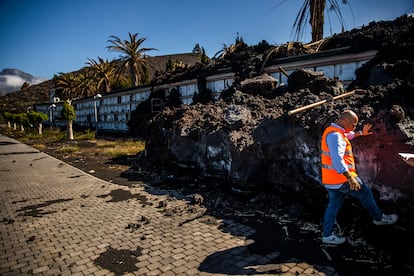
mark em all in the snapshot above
pixel 103 72
pixel 67 86
pixel 313 11
pixel 86 85
pixel 134 58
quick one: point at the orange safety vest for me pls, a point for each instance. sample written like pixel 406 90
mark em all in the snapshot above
pixel 329 174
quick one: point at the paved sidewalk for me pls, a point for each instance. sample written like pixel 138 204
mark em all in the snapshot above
pixel 57 220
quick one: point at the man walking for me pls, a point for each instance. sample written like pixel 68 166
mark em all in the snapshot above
pixel 340 178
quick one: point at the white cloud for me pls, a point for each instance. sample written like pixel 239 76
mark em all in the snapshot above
pixel 14 81
pixel 10 83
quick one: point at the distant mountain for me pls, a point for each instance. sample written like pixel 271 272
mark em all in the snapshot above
pixel 12 80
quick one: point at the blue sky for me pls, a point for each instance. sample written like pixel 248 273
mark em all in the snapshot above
pixel 46 37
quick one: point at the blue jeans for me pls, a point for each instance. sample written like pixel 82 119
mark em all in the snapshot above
pixel 336 199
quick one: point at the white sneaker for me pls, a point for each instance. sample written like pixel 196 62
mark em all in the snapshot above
pixel 386 219
pixel 333 239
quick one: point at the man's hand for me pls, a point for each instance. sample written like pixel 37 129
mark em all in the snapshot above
pixel 353 184
pixel 366 130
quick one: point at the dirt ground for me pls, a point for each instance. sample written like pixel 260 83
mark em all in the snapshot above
pixel 92 160
pixel 287 226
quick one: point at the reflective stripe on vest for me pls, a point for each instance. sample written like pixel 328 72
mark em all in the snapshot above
pixel 329 174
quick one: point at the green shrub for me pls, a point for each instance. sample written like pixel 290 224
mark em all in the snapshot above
pixel 88 135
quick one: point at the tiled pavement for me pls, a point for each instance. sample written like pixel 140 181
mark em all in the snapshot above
pixel 58 220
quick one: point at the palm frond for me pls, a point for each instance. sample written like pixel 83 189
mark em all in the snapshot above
pixel 133 58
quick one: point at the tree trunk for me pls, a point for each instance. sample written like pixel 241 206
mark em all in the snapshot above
pixel 133 75
pixel 107 86
pixel 39 129
pixel 317 19
pixel 70 130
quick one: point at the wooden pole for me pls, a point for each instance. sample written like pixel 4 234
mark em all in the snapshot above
pixel 306 107
pixel 283 71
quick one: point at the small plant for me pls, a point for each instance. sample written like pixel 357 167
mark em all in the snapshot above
pixel 68 149
pixel 88 135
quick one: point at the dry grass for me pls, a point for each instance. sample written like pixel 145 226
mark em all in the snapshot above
pixel 120 148
pixel 40 147
pixel 101 147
